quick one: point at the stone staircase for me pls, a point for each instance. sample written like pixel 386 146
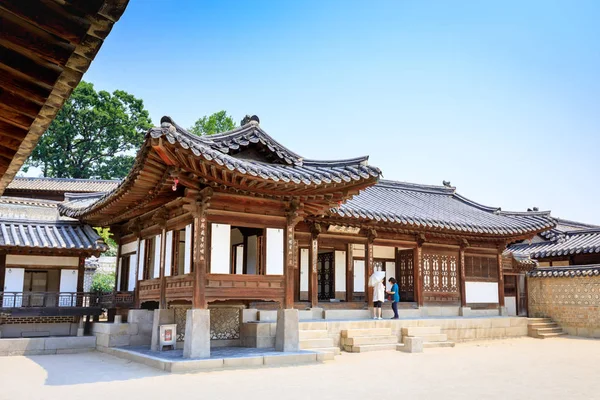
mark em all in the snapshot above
pixel 431 336
pixel 317 339
pixel 543 328
pixel 371 339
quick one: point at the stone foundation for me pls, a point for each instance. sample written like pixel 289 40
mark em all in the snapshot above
pixel 136 332
pixel 262 334
pixel 47 345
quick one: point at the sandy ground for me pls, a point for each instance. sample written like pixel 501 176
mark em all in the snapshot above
pixel 524 368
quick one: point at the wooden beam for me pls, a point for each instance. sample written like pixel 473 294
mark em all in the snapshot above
pixel 24 88
pixel 418 280
pixel 50 17
pixel 368 272
pixel 163 280
pixel 500 277
pixel 2 270
pixel 35 69
pixel 14 133
pixel 30 40
pixel 461 266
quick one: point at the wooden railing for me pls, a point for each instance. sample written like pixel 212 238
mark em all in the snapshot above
pixel 245 287
pixel 65 299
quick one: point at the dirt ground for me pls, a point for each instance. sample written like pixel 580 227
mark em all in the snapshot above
pixel 524 368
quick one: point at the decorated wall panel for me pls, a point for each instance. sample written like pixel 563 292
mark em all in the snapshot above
pixel 440 276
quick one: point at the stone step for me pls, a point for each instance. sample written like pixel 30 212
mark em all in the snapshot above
pixel 538 320
pixel 421 330
pixel 543 325
pixel 430 345
pixel 334 350
pixel 548 330
pixel 365 340
pixel 369 347
pixel 313 334
pixel 316 343
pixel 349 333
pixel 550 335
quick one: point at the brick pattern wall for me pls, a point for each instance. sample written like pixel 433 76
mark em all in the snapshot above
pixel 37 320
pixel 574 303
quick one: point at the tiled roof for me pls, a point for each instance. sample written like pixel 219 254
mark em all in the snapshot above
pixel 565 225
pixel 569 272
pixel 27 223
pixel 438 207
pixel 568 243
pixel 63 185
pixel 292 167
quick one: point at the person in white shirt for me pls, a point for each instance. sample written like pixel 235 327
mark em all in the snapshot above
pixel 378 299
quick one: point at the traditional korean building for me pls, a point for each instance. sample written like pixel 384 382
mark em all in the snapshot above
pixel 55 188
pixel 237 220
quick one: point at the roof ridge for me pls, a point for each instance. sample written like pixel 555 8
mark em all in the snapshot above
pixel 392 184
pixel 31 201
pixel 44 178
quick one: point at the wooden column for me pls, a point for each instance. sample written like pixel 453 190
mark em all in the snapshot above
pixel 136 229
pixel 198 203
pixel 80 273
pixel 117 238
pixel 369 266
pixel 500 277
pixel 289 266
pixel 313 278
pixel 163 278
pixel 461 266
pixel 417 265
pixel 313 253
pixel 349 273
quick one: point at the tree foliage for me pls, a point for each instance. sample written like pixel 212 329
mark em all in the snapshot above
pixel 103 282
pixel 105 234
pixel 94 135
pixel 214 123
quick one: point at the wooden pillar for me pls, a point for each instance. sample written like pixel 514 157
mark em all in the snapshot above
pixel 500 277
pixel 163 279
pixel 368 272
pixel 197 206
pixel 293 216
pixel 313 279
pixel 114 231
pixel 80 278
pixel 461 266
pixel 417 270
pixel 136 289
pixel 349 273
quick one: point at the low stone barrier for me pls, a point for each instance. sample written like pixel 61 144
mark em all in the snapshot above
pixel 47 345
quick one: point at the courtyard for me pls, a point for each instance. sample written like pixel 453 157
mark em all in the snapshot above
pixel 523 368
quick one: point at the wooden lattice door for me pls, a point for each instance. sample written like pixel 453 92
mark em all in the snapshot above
pixel 405 268
pixel 326 276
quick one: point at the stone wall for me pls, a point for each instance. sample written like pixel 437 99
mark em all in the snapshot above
pixel 16 327
pixel 48 345
pixel 136 332
pixel 572 302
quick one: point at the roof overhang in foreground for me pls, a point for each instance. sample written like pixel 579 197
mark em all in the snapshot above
pixel 45 48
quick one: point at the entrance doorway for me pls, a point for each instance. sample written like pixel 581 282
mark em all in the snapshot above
pixel 37 282
pixel 326 276
pixel 405 267
pixel 515 294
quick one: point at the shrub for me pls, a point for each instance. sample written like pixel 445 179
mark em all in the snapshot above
pixel 103 282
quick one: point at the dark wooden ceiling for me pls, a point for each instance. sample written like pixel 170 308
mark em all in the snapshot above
pixel 45 48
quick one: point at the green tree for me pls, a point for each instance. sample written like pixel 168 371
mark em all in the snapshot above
pixel 214 123
pixel 103 282
pixel 94 134
pixel 105 234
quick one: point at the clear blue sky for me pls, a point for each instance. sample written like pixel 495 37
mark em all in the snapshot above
pixel 501 98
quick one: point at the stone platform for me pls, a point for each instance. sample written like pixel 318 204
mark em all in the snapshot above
pixel 47 345
pixel 220 358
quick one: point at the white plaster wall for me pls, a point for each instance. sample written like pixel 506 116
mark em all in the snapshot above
pixel 340 271
pixel 481 292
pixel 220 250
pixel 390 272
pixel 12 259
pixel 13 282
pixel 359 275
pixel 168 253
pixel 274 251
pixel 187 266
pixel 304 270
pixel 510 303
pixel 358 250
pixel 68 284
pixel 128 248
pixel 239 260
pixel 157 244
pixel 141 260
pixel 251 255
pixel 132 265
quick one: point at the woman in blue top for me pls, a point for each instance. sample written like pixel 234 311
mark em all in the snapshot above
pixel 394 291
